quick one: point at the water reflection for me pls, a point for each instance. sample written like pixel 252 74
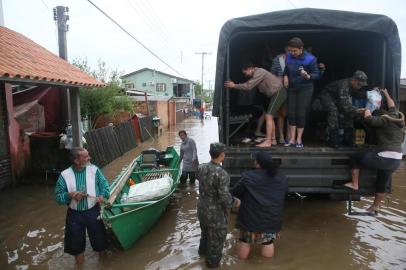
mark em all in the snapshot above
pixel 317 234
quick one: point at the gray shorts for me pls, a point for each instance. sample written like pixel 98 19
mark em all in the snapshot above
pixel 276 101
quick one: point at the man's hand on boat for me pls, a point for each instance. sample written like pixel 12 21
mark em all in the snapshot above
pixel 100 199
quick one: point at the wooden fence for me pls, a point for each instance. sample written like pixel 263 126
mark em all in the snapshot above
pixel 108 143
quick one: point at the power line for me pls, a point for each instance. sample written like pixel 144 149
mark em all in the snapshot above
pixel 141 15
pixel 290 2
pixel 148 22
pixel 208 69
pixel 45 4
pixel 159 21
pixel 147 14
pixel 150 15
pixel 139 42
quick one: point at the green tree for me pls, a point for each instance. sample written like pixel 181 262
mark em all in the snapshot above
pixel 107 100
pixel 198 90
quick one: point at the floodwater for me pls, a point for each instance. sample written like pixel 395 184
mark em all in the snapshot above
pixel 317 234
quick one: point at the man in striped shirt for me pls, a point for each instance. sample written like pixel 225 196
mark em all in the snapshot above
pixel 82 187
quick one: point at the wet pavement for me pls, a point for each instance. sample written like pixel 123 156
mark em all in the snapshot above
pixel 317 234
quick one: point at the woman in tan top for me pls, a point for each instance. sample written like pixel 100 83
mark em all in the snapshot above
pixel 268 84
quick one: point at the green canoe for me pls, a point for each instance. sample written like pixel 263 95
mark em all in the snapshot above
pixel 129 221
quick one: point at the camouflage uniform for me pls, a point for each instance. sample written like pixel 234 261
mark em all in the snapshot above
pixel 214 201
pixel 336 99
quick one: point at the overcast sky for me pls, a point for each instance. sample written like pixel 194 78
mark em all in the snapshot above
pixel 175 30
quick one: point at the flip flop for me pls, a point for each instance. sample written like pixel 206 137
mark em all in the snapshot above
pixel 289 144
pixel 264 145
pixel 372 213
pixel 259 140
pixel 246 140
pixel 349 187
pixel 299 145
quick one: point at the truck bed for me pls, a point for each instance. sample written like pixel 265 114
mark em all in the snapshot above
pixel 309 169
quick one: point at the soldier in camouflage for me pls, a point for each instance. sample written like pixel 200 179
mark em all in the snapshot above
pixel 336 99
pixel 212 208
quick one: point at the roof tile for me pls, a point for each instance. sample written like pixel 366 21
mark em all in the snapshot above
pixel 20 57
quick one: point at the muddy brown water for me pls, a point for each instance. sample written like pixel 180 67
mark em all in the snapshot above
pixel 317 234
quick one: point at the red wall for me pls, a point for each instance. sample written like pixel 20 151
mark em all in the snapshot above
pixel 19 143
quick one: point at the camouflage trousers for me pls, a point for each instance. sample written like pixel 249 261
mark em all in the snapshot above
pixel 211 241
pixel 333 113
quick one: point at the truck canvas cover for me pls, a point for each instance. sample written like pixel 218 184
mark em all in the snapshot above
pixel 311 19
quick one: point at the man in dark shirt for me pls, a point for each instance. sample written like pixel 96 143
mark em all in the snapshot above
pixel 336 99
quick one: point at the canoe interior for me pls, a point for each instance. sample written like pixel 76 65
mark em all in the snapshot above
pixel 129 221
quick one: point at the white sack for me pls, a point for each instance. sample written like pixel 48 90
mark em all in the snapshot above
pixel 149 190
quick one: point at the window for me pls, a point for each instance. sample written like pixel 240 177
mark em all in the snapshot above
pixel 144 84
pixel 129 86
pixel 161 87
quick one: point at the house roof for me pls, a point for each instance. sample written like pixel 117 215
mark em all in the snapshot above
pixel 149 69
pixel 23 60
pixel 136 93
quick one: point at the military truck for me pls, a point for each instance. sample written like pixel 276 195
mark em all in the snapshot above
pixel 344 42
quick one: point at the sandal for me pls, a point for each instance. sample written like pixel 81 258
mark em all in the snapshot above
pixel 259 140
pixel 246 140
pixel 264 144
pixel 287 143
pixel 372 213
pixel 350 186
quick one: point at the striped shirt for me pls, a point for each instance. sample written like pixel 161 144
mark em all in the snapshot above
pixel 61 190
pixel 277 69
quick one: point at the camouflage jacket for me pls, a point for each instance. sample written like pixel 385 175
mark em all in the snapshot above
pixel 340 91
pixel 214 194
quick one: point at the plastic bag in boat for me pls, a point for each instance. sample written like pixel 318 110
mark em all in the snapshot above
pixel 150 190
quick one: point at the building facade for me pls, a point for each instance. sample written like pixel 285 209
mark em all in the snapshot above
pixel 158 83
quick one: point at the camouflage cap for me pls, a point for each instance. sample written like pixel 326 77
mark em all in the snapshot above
pixel 217 147
pixel 361 77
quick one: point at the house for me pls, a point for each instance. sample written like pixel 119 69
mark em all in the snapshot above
pixel 158 83
pixel 38 73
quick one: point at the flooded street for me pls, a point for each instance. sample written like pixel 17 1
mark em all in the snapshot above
pixel 317 234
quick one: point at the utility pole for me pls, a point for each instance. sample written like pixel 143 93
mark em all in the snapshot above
pixel 61 17
pixel 70 98
pixel 203 54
